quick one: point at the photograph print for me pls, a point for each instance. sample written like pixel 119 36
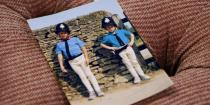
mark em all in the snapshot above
pixel 98 56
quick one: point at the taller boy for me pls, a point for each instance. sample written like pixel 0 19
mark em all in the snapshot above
pixel 73 49
pixel 117 40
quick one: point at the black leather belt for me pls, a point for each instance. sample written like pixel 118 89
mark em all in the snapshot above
pixel 121 49
pixel 75 56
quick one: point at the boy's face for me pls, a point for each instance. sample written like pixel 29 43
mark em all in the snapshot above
pixel 110 28
pixel 64 35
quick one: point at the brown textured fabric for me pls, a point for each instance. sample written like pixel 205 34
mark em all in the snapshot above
pixel 34 8
pixel 191 87
pixel 178 32
pixel 169 23
pixel 26 78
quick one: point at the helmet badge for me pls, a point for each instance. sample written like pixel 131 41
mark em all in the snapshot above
pixel 106 20
pixel 62 26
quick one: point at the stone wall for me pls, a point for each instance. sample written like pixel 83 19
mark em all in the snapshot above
pixel 106 66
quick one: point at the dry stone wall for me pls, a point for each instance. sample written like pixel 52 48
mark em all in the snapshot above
pixel 107 67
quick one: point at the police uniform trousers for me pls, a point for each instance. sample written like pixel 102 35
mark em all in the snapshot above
pixel 130 60
pixel 83 70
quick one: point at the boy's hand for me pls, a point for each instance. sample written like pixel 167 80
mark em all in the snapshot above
pixel 131 40
pixel 114 48
pixel 64 70
pixel 87 61
pixel 130 44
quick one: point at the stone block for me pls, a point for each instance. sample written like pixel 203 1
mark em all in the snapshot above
pixel 122 79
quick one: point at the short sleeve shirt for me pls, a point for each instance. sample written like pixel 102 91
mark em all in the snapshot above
pixel 111 39
pixel 75 45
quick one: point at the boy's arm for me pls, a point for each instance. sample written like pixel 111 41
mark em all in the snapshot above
pixel 84 50
pixel 131 39
pixel 61 63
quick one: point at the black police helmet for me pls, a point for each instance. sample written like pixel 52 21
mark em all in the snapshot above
pixel 107 21
pixel 62 27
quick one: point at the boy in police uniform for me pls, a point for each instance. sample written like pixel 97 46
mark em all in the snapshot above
pixel 117 41
pixel 73 49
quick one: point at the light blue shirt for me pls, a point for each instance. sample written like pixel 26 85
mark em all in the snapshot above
pixel 110 38
pixel 75 45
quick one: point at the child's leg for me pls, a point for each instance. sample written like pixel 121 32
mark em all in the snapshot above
pixel 77 68
pixel 134 61
pixel 128 64
pixel 90 75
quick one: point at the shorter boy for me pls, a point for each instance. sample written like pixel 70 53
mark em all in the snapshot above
pixel 118 42
pixel 73 49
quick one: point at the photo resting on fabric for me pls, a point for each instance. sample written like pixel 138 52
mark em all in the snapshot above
pixel 98 56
